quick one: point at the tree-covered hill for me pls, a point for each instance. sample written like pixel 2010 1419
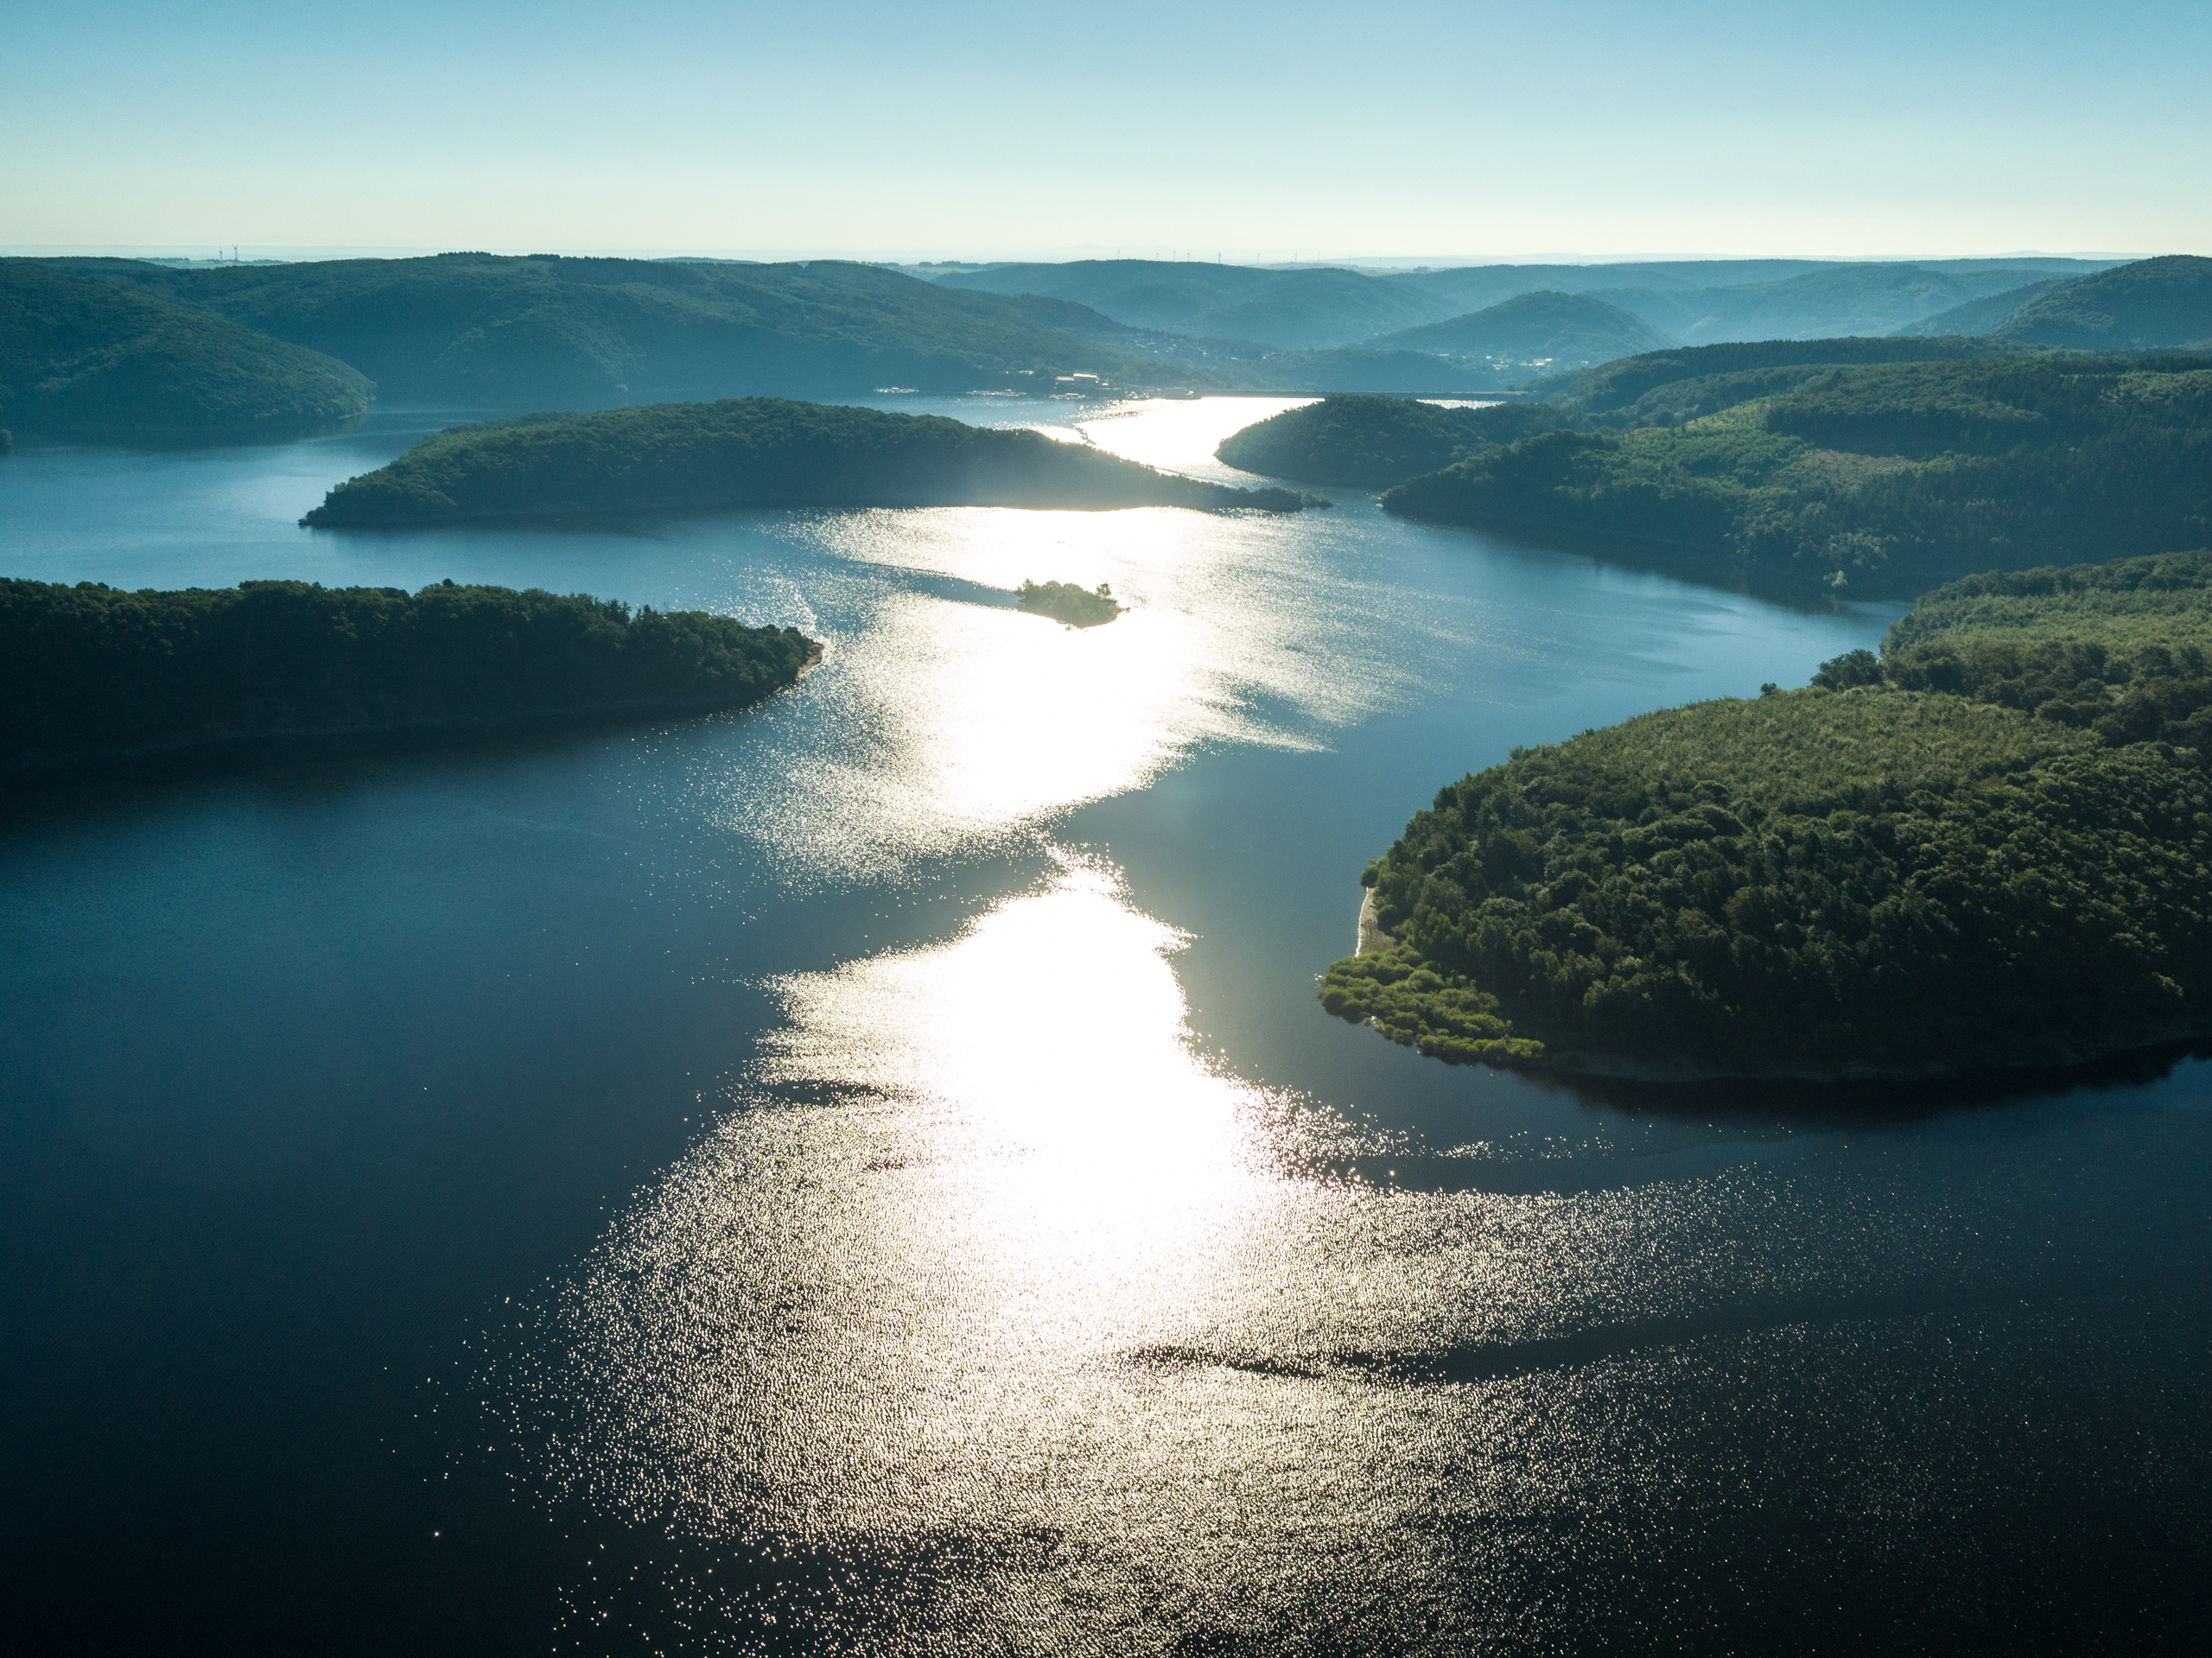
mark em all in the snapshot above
pixel 1917 873
pixel 84 358
pixel 2140 306
pixel 1875 478
pixel 90 672
pixel 1980 316
pixel 472 329
pixel 1709 378
pixel 755 451
pixel 1375 441
pixel 1533 330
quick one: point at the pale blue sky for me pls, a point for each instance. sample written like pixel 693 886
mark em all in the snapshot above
pixel 981 130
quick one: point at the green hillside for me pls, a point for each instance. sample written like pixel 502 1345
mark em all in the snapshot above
pixel 1874 480
pixel 1980 316
pixel 2140 306
pixel 1375 441
pixel 1536 330
pixel 89 672
pixel 1706 378
pixel 472 329
pixel 753 452
pixel 1876 878
pixel 84 358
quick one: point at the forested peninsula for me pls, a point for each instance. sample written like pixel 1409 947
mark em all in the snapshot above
pixel 80 357
pixel 1990 847
pixel 91 674
pixel 1874 468
pixel 752 452
pixel 1352 438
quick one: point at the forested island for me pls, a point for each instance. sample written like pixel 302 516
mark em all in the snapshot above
pixel 1989 847
pixel 81 357
pixel 1064 601
pixel 752 452
pixel 91 674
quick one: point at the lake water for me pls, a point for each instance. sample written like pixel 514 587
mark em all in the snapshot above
pixel 869 1174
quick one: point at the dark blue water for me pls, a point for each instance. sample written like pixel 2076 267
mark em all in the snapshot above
pixel 868 1173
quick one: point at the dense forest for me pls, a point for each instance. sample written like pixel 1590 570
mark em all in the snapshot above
pixel 89 672
pixel 1874 479
pixel 1944 859
pixel 83 357
pixel 756 451
pixel 1064 601
pixel 1375 441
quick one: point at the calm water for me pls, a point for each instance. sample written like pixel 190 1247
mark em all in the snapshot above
pixel 869 1174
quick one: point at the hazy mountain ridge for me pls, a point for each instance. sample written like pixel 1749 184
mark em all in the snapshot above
pixel 476 328
pixel 1528 329
pixel 1980 316
pixel 1319 307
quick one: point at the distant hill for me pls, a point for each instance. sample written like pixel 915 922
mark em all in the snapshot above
pixel 1320 308
pixel 1980 316
pixel 2140 306
pixel 1536 330
pixel 1303 309
pixel 83 357
pixel 472 329
pixel 753 452
pixel 1835 300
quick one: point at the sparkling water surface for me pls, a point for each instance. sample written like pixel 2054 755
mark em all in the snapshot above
pixel 868 1173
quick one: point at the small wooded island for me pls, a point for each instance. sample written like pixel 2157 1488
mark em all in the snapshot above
pixel 752 452
pixel 1064 601
pixel 91 674
pixel 1989 847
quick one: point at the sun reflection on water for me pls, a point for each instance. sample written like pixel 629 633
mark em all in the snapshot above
pixel 947 721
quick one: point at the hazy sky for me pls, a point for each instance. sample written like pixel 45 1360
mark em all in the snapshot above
pixel 977 130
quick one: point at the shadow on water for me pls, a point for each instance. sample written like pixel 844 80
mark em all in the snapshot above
pixel 1866 1102
pixel 1700 566
pixel 328 759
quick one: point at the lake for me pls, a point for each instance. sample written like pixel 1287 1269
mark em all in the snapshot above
pixel 869 1174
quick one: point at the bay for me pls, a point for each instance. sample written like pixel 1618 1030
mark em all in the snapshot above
pixel 868 1173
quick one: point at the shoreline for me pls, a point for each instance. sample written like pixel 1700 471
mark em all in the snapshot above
pixel 1609 1068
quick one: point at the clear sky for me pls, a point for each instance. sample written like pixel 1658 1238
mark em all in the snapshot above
pixel 980 129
